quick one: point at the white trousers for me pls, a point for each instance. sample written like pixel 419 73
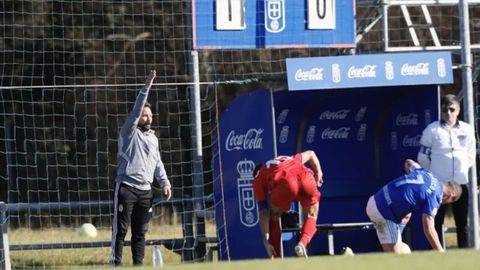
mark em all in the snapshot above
pixel 388 232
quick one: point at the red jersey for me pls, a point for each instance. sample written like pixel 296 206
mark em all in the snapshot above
pixel 285 176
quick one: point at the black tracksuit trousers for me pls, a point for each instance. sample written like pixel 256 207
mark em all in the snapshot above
pixel 131 207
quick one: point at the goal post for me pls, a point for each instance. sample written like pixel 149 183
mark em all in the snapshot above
pixel 4 245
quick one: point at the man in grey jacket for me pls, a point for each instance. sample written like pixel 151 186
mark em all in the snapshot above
pixel 139 162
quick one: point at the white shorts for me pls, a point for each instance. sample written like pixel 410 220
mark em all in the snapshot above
pixel 388 232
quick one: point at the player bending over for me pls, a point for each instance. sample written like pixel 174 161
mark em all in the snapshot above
pixel 391 207
pixel 286 178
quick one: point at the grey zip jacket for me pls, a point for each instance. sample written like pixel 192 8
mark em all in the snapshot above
pixel 138 156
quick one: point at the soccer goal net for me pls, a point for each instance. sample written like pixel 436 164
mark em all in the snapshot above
pixel 71 71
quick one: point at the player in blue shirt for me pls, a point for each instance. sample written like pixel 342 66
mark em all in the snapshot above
pixel 391 207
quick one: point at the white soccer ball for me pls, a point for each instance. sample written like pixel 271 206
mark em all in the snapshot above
pixel 88 230
pixel 347 251
pixel 404 249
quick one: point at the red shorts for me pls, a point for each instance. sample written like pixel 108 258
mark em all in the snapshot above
pixel 303 189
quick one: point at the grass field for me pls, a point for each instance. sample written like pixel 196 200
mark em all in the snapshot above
pixel 54 258
pixel 98 257
pixel 452 259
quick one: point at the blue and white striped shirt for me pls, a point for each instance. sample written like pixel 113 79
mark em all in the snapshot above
pixel 418 190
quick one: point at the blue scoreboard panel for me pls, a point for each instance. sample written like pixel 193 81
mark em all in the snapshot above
pixel 247 24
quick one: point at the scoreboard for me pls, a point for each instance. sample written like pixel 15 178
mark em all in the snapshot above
pixel 247 24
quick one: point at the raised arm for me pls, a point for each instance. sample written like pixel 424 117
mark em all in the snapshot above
pixel 149 80
pixel 310 157
pixel 134 116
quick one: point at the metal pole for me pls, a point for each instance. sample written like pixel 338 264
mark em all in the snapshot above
pixel 198 183
pixel 196 133
pixel 385 24
pixel 5 262
pixel 196 136
pixel 188 232
pixel 9 139
pixel 469 115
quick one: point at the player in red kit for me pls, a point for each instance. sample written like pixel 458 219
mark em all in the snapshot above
pixel 286 178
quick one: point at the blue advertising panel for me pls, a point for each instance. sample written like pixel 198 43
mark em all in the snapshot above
pixel 246 138
pixel 402 124
pixel 362 138
pixel 241 24
pixel 393 69
pixel 290 113
pixel 340 129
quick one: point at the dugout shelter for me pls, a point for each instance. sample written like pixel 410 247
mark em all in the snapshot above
pixel 362 135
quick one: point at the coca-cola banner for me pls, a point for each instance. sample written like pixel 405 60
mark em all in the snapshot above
pixel 362 137
pixel 246 138
pixel 355 127
pixel 394 69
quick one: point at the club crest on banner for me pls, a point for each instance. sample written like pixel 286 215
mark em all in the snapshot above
pixel 274 15
pixel 246 197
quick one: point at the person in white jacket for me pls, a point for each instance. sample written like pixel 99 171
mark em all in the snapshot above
pixel 447 149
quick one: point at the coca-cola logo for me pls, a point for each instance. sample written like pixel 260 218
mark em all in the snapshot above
pixel 314 74
pixel 407 120
pixel 367 71
pixel 411 141
pixel 415 70
pixel 337 115
pixel 340 133
pixel 250 140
